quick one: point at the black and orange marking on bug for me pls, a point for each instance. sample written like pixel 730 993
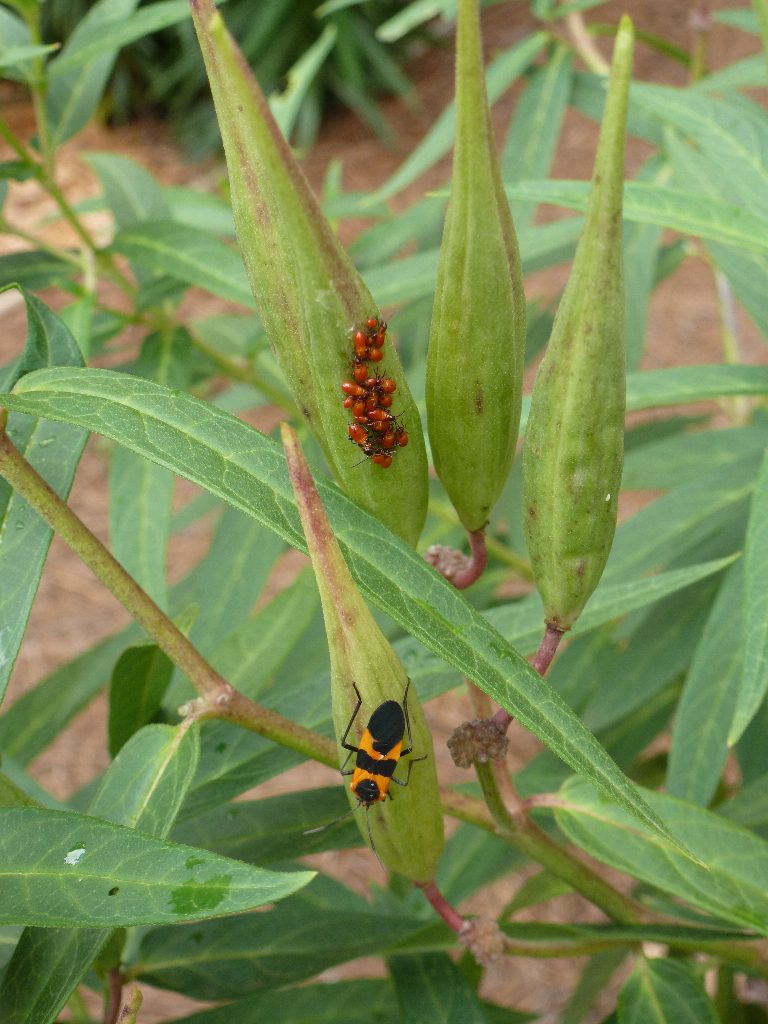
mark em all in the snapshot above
pixel 377 756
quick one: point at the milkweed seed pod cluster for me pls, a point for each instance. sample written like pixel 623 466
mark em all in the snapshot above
pixel 307 291
pixel 407 830
pixel 574 442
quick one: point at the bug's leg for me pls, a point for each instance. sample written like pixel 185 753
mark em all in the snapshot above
pixel 411 763
pixel 348 746
pixel 409 748
pixel 349 771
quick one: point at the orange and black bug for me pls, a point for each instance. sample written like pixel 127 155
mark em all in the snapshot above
pixel 379 752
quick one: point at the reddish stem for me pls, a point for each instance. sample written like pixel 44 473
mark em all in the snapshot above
pixel 475 566
pixel 542 659
pixel 452 917
pixel 115 1000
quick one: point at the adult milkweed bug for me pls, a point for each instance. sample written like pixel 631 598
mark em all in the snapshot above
pixel 379 752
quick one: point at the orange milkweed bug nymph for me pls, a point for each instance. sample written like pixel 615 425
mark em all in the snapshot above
pixel 378 754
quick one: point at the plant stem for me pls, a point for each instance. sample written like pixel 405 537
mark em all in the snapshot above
pixel 700 21
pixel 245 373
pixel 542 659
pixel 449 914
pixel 584 44
pixel 218 698
pixel 115 996
pixel 478 559
pixel 17 145
pixel 442 510
pixel 526 836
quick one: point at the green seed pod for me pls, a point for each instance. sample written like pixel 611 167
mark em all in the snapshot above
pixel 407 831
pixel 574 443
pixel 308 293
pixel 477 337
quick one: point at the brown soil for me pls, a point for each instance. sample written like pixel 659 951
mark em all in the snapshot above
pixel 72 611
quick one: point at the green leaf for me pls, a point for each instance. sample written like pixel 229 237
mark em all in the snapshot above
pixel 685 456
pixel 54 450
pixel 473 858
pixel 654 388
pixel 657 651
pixel 103 37
pixel 67 869
pixel 227 582
pixel 250 656
pixel 187 254
pixel 641 248
pixel 36 270
pixel 139 681
pixel 36 718
pixel 141 493
pixel 235 462
pixel 717 126
pixel 754 629
pixel 143 788
pixel 676 522
pixel 78 90
pixel 274 829
pixel 431 987
pixel 302 936
pixel 535 128
pixel 593 981
pixel 140 519
pixel 665 992
pixel 521 620
pixel 675 208
pixel 749 808
pixel 13 57
pixel 499 75
pixel 130 191
pixel 730 880
pixel 299 78
pixel 354 1002
pixel 704 715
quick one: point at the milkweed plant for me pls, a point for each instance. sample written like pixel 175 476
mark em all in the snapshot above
pixel 427 487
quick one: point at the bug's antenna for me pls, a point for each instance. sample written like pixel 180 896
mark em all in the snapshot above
pixel 370 836
pixel 320 828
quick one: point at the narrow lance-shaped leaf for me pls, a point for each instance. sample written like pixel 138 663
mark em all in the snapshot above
pixel 477 337
pixel 705 711
pixel 55 451
pixel 754 677
pixel 65 869
pixel 575 437
pixel 309 296
pixel 408 830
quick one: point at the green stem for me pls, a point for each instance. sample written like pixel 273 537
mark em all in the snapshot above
pixel 17 145
pixel 585 46
pixel 218 698
pixel 61 254
pixel 523 833
pixel 238 371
